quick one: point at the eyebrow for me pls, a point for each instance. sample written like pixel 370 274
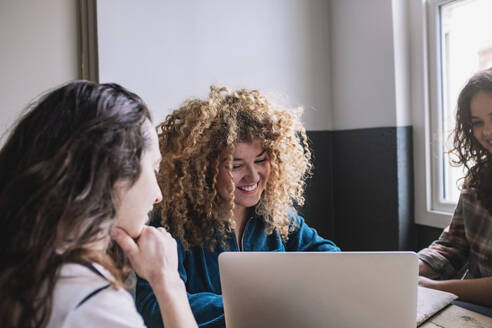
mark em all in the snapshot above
pixel 259 155
pixel 478 118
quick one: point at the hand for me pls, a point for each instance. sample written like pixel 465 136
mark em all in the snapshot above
pixel 153 256
pixel 429 283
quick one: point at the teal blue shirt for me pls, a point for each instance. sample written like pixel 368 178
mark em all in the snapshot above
pixel 199 269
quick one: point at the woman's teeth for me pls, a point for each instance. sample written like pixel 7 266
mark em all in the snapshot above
pixel 248 188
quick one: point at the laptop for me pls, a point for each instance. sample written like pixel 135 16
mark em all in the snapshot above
pixel 316 289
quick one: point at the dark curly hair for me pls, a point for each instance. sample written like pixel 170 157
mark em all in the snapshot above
pixel 468 150
pixel 57 173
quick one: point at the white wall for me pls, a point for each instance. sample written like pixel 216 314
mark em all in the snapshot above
pixel 168 51
pixel 343 60
pixel 38 42
pixel 369 63
pixel 402 71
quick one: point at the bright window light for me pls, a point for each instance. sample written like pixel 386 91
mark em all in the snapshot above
pixel 465 48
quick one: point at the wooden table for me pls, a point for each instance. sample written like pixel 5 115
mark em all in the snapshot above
pixel 454 316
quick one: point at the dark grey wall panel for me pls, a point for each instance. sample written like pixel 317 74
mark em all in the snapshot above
pixel 318 208
pixel 365 189
pixel 426 235
pixel 361 193
pixel 404 154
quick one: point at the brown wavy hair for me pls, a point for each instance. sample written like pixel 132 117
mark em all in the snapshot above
pixel 201 135
pixel 57 173
pixel 468 150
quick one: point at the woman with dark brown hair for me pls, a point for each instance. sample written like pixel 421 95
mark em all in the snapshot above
pixel 79 168
pixel 467 242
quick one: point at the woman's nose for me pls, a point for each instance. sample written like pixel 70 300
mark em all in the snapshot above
pixel 253 175
pixel 158 197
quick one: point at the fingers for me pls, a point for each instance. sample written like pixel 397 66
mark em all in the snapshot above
pixel 126 242
pixel 164 232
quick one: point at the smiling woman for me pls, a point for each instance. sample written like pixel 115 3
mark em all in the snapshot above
pixel 465 242
pixel 234 166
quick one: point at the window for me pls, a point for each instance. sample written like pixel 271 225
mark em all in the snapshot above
pixel 457 42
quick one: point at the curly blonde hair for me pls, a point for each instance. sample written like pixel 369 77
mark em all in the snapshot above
pixel 201 135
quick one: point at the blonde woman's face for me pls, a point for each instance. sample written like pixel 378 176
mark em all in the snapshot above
pixel 481 112
pixel 248 177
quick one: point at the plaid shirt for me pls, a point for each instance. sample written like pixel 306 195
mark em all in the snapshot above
pixel 467 240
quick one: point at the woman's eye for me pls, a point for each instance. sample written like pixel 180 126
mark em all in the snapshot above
pixel 261 161
pixel 236 166
pixel 476 123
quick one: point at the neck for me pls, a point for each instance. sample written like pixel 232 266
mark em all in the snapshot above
pixel 240 214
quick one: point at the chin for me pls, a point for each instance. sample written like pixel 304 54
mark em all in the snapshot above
pixel 248 204
pixel 135 232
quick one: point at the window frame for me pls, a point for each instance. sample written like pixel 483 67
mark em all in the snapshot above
pixel 438 135
pixel 430 209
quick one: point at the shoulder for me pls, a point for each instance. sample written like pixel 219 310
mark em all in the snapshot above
pixel 296 221
pixel 469 200
pixel 75 283
pixel 469 193
pixel 109 308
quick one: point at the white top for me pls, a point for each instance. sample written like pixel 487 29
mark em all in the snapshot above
pixel 106 308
